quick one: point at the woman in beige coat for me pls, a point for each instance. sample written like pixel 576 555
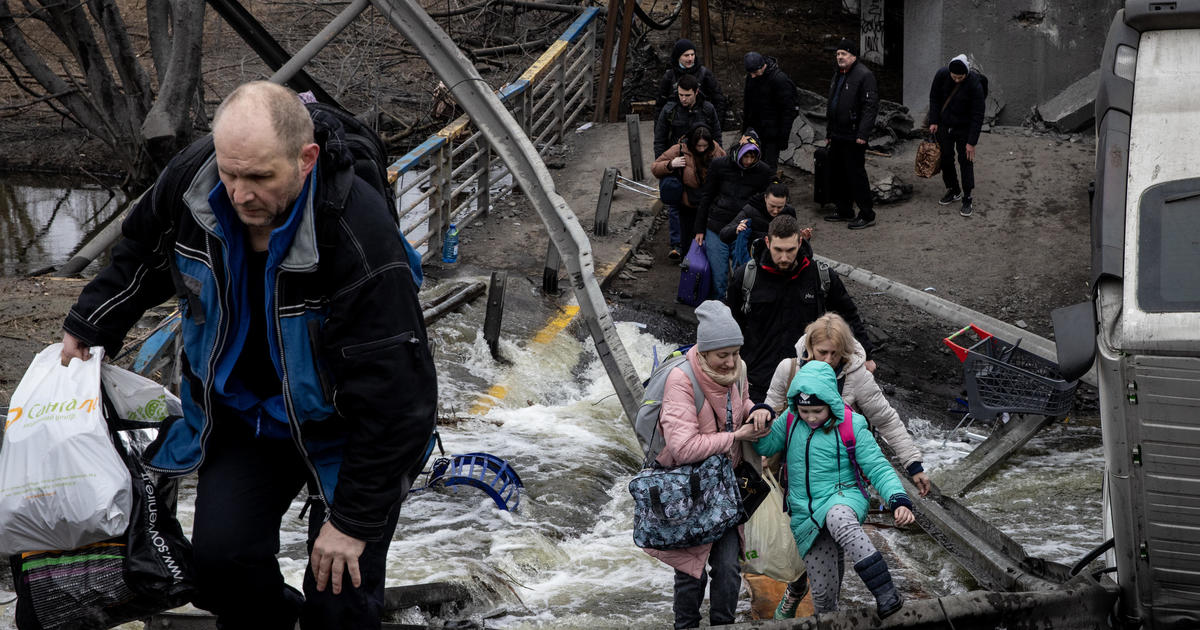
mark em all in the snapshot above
pixel 830 340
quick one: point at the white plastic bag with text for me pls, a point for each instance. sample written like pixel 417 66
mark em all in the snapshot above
pixel 135 397
pixel 62 484
pixel 770 546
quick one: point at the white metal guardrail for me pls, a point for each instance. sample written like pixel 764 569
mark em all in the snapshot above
pixel 455 175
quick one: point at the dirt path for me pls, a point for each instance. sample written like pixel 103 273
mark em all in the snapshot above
pixel 1025 252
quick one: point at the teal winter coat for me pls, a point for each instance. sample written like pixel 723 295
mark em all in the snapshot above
pixel 818 468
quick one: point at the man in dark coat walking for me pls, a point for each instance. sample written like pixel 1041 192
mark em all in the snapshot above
pixel 684 113
pixel 785 296
pixel 769 105
pixel 956 104
pixel 853 104
pixel 683 61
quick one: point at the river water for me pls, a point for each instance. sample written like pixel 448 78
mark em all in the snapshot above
pixel 44 219
pixel 566 558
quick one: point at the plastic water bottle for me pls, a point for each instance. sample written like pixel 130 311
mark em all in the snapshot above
pixel 450 245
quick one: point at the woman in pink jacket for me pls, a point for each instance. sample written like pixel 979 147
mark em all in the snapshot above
pixel 692 437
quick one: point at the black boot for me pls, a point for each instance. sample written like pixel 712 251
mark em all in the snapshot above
pixel 874 573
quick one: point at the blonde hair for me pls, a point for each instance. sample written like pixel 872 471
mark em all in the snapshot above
pixel 830 327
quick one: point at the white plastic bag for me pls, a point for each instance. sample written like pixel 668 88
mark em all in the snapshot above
pixel 135 397
pixel 770 546
pixel 62 484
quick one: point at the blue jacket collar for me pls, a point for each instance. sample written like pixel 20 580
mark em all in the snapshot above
pixel 301 254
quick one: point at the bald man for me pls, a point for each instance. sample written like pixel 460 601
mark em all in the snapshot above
pixel 305 359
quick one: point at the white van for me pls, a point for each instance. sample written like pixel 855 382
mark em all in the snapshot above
pixel 1143 326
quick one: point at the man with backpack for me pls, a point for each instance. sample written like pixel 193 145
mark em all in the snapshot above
pixel 956 104
pixel 678 117
pixel 296 292
pixel 779 293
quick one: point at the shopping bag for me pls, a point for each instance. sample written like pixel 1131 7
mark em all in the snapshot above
pixel 135 397
pixel 770 545
pixel 144 571
pixel 685 506
pixel 929 159
pixel 62 484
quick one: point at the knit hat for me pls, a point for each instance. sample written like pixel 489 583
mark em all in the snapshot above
pixel 802 399
pixel 747 148
pixel 717 328
pixel 754 61
pixel 681 47
pixel 959 65
pixel 848 46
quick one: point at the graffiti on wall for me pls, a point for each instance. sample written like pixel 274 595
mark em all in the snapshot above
pixel 871 25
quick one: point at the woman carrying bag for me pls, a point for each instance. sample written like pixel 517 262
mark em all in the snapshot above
pixel 686 162
pixel 692 437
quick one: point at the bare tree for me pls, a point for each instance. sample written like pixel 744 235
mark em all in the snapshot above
pixel 95 73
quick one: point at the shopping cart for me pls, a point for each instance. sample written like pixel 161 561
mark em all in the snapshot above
pixel 1000 378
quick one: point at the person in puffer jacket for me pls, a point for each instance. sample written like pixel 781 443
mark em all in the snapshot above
pixel 830 339
pixel 732 181
pixel 691 437
pixel 827 503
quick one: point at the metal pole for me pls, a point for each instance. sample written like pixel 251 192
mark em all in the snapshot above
pixel 706 36
pixel 685 23
pixel 264 45
pixel 610 32
pixel 635 147
pixel 484 179
pixel 614 105
pixel 550 273
pixel 519 154
pixel 560 97
pixel 604 202
pixel 495 312
pixel 320 41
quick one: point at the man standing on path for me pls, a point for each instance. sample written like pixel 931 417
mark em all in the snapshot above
pixel 853 104
pixel 678 117
pixel 784 293
pixel 956 104
pixel 305 357
pixel 769 105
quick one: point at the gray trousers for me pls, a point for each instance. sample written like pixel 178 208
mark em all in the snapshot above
pixel 825 560
pixel 726 576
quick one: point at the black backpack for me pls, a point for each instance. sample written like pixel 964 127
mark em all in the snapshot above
pixel 370 164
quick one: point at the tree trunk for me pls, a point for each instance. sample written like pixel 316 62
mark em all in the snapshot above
pixel 120 109
pixel 167 127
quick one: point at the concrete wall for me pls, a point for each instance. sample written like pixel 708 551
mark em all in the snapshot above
pixel 1029 49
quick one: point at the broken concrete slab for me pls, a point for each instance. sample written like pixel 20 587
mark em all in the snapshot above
pixel 1073 108
pixel 810 102
pixel 891 189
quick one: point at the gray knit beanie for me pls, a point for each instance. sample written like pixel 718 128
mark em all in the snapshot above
pixel 717 328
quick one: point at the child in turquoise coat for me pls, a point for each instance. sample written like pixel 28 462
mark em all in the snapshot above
pixel 826 504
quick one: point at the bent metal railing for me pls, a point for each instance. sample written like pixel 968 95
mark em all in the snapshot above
pixel 455 175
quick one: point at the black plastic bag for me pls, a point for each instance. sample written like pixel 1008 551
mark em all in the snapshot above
pixel 130 577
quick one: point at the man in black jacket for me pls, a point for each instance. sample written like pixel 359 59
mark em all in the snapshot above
pixel 684 62
pixel 732 180
pixel 680 115
pixel 785 296
pixel 757 214
pixel 853 104
pixel 956 104
pixel 296 294
pixel 769 105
